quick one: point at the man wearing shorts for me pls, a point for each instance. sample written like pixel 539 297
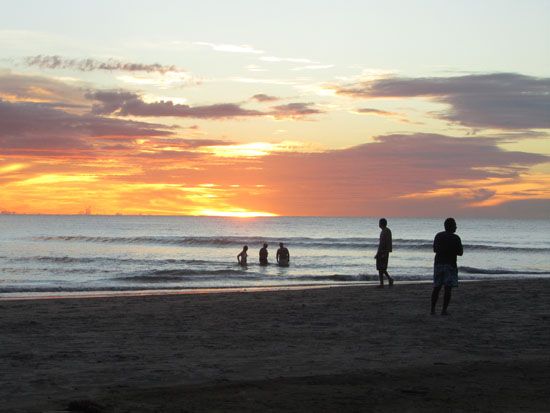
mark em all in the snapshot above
pixel 447 246
pixel 383 253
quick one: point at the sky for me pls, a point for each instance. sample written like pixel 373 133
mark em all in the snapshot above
pixel 253 108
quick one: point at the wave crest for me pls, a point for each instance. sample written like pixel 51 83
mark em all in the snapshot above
pixel 499 271
pixel 305 242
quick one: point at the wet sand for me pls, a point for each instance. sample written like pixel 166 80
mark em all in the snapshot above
pixel 346 348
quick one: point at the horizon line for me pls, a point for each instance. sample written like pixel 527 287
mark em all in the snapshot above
pixel 3 213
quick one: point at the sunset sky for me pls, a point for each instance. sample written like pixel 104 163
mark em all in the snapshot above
pixel 244 108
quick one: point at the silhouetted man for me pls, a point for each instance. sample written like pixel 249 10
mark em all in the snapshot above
pixel 383 254
pixel 283 256
pixel 263 255
pixel 447 245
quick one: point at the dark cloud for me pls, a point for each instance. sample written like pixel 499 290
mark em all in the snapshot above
pixel 88 65
pixel 498 100
pixel 261 97
pixel 35 125
pixel 124 103
pixel 111 101
pixel 39 89
pixel 295 110
pixel 516 135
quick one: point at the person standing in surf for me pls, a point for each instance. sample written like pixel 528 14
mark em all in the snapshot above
pixel 283 256
pixel 447 246
pixel 241 258
pixel 263 255
pixel 383 254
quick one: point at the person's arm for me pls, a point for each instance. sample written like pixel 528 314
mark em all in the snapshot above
pixel 436 244
pixel 278 253
pixel 459 249
pixel 239 257
pixel 288 255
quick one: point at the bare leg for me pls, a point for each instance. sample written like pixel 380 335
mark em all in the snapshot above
pixel 435 296
pixel 446 299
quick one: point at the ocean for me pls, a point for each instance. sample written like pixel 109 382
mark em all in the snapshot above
pixel 62 254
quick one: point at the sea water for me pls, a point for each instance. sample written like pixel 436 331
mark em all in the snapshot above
pixel 124 253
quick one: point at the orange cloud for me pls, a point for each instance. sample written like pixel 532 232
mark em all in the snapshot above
pixel 56 160
pixel 394 175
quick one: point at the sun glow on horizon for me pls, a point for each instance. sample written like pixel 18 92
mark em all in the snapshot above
pixel 234 214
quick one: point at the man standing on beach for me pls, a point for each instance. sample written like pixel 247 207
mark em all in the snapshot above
pixel 383 253
pixel 447 245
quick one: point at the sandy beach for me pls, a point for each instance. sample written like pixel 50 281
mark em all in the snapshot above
pixel 343 348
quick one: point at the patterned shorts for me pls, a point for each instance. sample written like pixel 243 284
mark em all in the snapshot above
pixel 445 274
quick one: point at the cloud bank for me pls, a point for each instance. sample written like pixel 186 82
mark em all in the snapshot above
pixel 498 100
pixel 30 126
pixel 124 103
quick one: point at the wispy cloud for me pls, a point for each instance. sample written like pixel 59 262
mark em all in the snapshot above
pixel 275 59
pixel 383 113
pixel 161 80
pixel 230 48
pixel 255 68
pixel 90 64
pixel 377 112
pixel 267 81
pixel 312 67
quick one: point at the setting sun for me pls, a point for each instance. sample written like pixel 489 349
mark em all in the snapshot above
pixel 234 214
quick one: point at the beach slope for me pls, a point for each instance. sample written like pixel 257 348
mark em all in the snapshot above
pixel 345 348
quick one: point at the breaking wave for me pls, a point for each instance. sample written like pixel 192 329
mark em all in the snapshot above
pixel 500 271
pixel 324 243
